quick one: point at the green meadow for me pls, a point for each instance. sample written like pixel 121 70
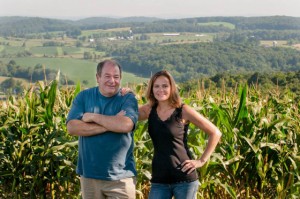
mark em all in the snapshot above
pixel 181 38
pixel 67 58
pixel 75 69
pixel 97 31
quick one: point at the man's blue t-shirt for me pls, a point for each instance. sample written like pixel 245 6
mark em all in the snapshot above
pixel 107 156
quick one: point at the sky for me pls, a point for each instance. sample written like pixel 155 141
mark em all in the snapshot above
pixel 77 9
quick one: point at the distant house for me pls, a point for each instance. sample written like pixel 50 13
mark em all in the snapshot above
pixel 171 34
pixel 112 38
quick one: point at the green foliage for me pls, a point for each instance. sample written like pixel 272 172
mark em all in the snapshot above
pixel 258 156
pixel 37 155
pixel 191 61
pixel 225 24
pixel 39 72
pixel 23 26
pixel 11 86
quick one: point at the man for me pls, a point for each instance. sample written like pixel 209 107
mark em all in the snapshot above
pixel 104 121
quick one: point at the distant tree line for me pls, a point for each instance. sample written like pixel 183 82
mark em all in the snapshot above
pixel 264 81
pixel 190 61
pixel 23 26
pixel 31 74
pixel 291 36
pixel 181 26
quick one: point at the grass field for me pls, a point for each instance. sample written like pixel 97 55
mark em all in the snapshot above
pixel 49 50
pixel 33 43
pixel 77 70
pixel 15 42
pixel 182 38
pixel 91 32
pixel 12 50
pixel 67 58
pixel 270 42
pixel 25 83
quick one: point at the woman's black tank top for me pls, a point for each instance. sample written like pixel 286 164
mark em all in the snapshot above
pixel 169 139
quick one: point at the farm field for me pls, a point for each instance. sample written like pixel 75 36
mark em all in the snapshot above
pixel 97 31
pixel 270 43
pixel 260 136
pixel 172 38
pixel 69 59
pixel 75 69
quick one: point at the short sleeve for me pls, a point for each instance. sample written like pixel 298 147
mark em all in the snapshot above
pixel 130 105
pixel 77 108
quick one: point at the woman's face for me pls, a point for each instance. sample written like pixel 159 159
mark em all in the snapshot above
pixel 161 89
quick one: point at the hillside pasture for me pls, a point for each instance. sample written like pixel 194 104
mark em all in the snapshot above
pixel 181 38
pixel 97 31
pixel 59 51
pixel 1 48
pixel 48 51
pixel 270 43
pixel 77 70
pixel 14 41
pixel 33 43
pixel 11 50
pixel 39 51
pixel 75 52
pixel 25 83
pixel 69 59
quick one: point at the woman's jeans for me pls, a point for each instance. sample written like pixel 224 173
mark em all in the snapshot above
pixel 185 190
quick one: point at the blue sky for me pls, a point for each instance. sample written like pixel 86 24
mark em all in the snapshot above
pixel 74 9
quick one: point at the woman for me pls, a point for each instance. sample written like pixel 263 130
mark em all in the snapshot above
pixel 173 170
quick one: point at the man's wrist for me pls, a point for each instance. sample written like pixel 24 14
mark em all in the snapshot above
pixel 97 118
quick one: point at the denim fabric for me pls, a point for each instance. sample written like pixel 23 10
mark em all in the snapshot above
pixel 185 190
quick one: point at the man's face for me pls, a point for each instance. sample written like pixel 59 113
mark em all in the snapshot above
pixel 109 80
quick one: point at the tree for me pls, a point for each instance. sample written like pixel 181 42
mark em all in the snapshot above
pixel 87 55
pixel 78 44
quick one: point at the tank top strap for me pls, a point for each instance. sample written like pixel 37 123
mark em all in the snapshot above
pixel 153 109
pixel 178 114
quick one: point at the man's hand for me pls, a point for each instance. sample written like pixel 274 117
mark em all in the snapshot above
pixel 88 117
pixel 124 91
pixel 121 113
pixel 115 123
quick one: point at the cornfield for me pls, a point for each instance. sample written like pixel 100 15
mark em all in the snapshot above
pixel 257 157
